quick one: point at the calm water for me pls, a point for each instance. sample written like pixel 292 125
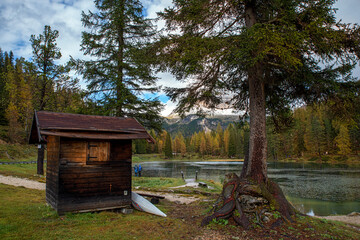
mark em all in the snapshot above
pixel 320 189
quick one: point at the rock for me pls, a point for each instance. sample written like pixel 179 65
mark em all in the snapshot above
pixel 127 210
pixel 266 219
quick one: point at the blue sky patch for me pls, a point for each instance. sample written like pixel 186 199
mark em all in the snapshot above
pixel 162 97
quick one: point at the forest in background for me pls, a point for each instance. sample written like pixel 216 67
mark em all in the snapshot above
pixel 315 131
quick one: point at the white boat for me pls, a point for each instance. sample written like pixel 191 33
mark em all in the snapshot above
pixel 142 204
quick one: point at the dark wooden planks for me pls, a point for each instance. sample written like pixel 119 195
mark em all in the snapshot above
pixel 95 180
pixel 52 170
pixel 84 204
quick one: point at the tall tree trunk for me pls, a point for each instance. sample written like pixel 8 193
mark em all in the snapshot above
pixel 255 163
pixel 120 59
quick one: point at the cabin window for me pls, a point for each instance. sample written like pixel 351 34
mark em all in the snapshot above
pixel 98 153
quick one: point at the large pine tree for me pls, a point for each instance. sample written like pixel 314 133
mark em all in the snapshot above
pixel 265 55
pixel 119 72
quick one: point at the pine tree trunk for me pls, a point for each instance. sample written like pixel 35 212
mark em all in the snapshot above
pixel 255 163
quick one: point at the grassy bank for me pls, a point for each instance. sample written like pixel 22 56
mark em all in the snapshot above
pixel 17 153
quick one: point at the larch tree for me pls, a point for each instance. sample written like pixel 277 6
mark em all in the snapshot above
pixel 343 140
pixel 262 57
pixel 119 73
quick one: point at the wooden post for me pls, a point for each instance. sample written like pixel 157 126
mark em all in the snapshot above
pixel 40 159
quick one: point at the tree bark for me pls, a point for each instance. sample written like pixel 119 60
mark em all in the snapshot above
pixel 255 164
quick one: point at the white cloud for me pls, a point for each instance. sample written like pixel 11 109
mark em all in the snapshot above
pixel 21 18
pixel 168 108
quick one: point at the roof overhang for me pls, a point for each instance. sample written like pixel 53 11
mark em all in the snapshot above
pixel 85 127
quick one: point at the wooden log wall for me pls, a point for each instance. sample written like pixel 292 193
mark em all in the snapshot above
pixel 52 170
pixel 79 178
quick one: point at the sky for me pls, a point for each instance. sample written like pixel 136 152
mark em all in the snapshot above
pixel 19 19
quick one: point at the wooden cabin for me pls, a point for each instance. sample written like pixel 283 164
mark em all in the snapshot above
pixel 88 159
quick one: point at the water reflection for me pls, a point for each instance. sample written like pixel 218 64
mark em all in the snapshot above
pixel 322 188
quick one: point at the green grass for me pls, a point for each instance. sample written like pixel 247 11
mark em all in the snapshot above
pixel 24 215
pixel 22 171
pixel 156 183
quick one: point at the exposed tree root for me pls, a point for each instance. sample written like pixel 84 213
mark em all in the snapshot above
pixel 250 203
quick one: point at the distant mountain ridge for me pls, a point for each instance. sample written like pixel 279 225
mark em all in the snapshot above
pixel 193 123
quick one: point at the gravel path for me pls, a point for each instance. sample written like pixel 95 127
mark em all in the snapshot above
pixel 22 182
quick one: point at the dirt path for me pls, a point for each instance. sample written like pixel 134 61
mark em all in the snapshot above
pixel 22 182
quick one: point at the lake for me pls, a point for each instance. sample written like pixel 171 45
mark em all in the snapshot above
pixel 313 188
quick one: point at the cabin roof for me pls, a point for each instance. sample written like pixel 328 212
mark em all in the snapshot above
pixel 85 126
